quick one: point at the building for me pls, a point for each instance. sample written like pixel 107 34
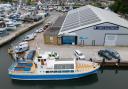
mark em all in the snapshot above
pixel 51 33
pixel 91 25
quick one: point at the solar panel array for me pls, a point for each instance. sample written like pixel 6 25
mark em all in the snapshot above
pixel 79 17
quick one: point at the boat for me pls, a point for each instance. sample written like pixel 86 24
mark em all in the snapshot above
pixel 21 47
pixel 3 31
pixel 39 30
pixel 30 37
pixel 49 66
pixel 10 26
pixel 17 23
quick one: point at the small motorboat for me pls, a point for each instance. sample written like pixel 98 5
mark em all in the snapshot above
pixel 39 30
pixel 16 23
pixel 10 26
pixel 21 47
pixel 30 37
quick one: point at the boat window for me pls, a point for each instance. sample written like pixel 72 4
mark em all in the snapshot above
pixel 39 56
pixel 64 66
pixel 47 71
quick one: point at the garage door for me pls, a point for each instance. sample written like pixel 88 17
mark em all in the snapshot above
pixel 116 40
pixel 122 40
pixel 69 40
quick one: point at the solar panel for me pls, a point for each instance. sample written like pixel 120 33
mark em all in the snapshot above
pixel 79 17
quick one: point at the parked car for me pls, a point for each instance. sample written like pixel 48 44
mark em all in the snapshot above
pixel 109 54
pixel 79 55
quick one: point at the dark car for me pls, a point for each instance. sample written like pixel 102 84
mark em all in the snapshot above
pixel 109 54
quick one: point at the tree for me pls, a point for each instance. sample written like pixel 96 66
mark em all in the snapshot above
pixel 119 7
pixel 6 0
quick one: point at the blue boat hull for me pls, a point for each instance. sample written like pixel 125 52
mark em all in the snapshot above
pixel 50 77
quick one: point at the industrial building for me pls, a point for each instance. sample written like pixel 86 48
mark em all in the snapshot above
pixel 91 25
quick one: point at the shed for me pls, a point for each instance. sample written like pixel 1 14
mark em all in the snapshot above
pixel 51 34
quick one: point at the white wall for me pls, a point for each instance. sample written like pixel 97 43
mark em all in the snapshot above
pixel 98 35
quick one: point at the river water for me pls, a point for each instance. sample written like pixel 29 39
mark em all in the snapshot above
pixel 105 78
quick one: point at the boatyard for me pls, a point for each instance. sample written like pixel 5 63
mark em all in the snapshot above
pixel 82 47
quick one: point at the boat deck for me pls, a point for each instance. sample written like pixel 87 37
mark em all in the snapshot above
pixel 84 67
pixel 25 68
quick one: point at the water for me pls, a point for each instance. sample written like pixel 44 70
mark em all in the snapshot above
pixel 104 79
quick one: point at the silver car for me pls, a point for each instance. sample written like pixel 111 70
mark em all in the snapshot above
pixel 79 55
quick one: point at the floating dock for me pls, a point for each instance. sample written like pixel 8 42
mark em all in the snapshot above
pixel 111 64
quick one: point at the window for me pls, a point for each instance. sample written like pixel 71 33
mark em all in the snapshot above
pixel 51 39
pixel 64 66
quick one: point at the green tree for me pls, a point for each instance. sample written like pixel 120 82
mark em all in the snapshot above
pixel 118 6
pixel 28 1
pixel 6 0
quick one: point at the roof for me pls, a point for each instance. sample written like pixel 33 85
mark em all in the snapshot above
pixel 54 30
pixel 88 16
pixel 59 21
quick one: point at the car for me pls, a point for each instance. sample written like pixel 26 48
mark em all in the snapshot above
pixel 79 55
pixel 39 30
pixel 114 53
pixel 109 54
pixel 104 54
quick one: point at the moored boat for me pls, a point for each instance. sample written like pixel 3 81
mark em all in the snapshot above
pixel 50 67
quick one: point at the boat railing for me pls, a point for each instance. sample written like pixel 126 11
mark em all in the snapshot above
pixel 61 71
pixel 57 71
